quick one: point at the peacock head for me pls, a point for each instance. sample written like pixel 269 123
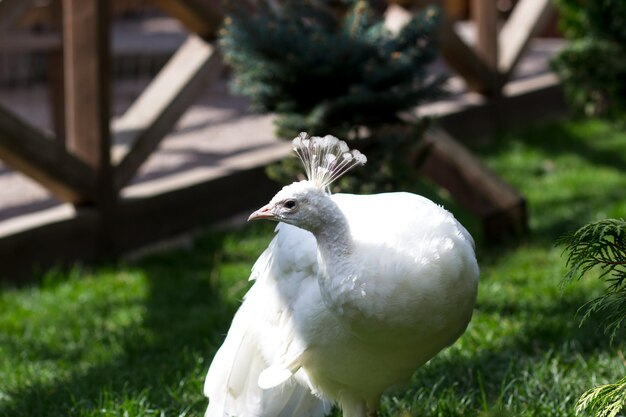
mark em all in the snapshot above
pixel 307 204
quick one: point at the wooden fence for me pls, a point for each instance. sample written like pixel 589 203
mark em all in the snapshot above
pixel 78 165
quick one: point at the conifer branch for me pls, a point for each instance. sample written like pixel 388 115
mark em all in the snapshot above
pixel 328 71
pixel 603 245
pixel 604 400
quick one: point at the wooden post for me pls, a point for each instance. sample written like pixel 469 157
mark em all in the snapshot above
pixel 86 50
pixel 87 62
pixel 56 82
pixel 528 18
pixel 202 17
pixel 501 208
pixel 10 11
pixel 138 132
pixel 455 9
pixel 35 154
pixel 464 60
pixel 485 16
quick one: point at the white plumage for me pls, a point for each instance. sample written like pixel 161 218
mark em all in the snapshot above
pixel 351 297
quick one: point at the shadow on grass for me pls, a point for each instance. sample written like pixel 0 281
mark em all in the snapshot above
pixel 487 381
pixel 566 139
pixel 186 317
pixel 599 144
pixel 549 325
pixel 574 138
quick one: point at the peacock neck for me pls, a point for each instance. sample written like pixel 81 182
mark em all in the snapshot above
pixel 338 277
pixel 336 245
pixel 334 240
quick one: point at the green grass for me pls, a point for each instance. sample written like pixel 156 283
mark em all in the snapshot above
pixel 136 339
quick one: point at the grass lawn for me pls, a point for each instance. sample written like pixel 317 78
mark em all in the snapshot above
pixel 136 338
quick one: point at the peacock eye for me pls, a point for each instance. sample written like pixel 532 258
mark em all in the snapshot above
pixel 290 204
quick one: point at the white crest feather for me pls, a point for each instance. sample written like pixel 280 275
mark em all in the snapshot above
pixel 325 159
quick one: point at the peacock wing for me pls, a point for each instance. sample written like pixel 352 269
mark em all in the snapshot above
pixel 251 373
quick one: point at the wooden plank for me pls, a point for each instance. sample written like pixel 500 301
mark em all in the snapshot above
pixel 485 16
pixel 86 57
pixel 35 154
pixel 527 18
pixel 156 111
pixel 55 237
pixel 59 239
pixel 10 11
pixel 455 9
pixel 500 207
pixel 530 100
pixel 21 41
pixel 56 77
pixel 86 48
pixel 201 17
pixel 478 76
pixel 146 217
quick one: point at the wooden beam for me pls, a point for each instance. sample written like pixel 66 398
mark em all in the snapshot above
pixel 528 18
pixel 86 52
pixel 478 76
pixel 22 41
pixel 56 77
pixel 455 9
pixel 67 238
pixel 201 17
pixel 35 154
pixel 538 98
pixel 501 208
pixel 156 111
pixel 62 238
pixel 485 16
pixel 11 11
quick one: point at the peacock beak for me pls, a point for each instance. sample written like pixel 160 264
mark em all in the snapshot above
pixel 264 212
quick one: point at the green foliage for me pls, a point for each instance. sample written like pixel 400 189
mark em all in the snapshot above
pixel 325 71
pixel 606 400
pixel 601 244
pixel 593 64
pixel 573 19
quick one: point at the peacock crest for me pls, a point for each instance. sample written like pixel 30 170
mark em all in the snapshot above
pixel 325 159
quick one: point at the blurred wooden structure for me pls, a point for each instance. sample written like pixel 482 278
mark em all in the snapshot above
pixel 488 66
pixel 79 165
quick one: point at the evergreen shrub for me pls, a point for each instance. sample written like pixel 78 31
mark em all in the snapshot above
pixel 593 63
